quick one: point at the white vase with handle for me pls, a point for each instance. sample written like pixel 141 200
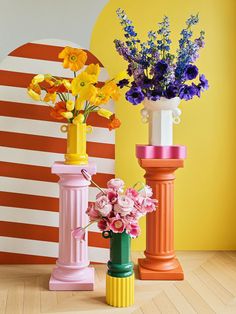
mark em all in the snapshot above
pixel 161 115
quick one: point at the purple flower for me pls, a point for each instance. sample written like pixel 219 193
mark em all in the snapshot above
pixel 191 72
pixel 123 83
pixel 154 94
pixel 160 69
pixel 135 95
pixel 171 91
pixel 197 89
pixel 203 82
pixel 187 92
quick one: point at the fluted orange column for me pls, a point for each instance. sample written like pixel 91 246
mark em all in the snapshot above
pixel 160 261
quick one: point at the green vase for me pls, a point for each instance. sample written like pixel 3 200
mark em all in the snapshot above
pixel 120 264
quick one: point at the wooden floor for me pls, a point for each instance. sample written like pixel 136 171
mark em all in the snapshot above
pixel 209 287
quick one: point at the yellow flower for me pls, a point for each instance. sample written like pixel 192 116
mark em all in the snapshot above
pixel 70 105
pixel 73 58
pixel 33 94
pixel 78 119
pixel 104 113
pixel 67 84
pixel 121 76
pixel 88 93
pixel 67 115
pixel 112 89
pixel 93 69
pixel 79 103
pixel 50 97
pixel 80 82
pixel 37 79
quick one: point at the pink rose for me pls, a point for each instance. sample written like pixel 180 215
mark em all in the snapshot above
pixel 124 205
pixel 146 191
pixel 93 213
pixel 116 184
pixel 133 229
pixel 117 224
pixel 103 205
pixel 103 225
pixel 79 233
pixel 148 205
pixel 132 193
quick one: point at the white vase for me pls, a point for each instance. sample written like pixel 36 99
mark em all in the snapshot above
pixel 161 114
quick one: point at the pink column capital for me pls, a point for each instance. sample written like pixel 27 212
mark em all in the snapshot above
pixel 72 271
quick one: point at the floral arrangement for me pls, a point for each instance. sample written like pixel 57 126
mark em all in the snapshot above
pixel 87 95
pixel 154 71
pixel 117 210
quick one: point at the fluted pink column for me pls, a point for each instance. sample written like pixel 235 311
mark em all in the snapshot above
pixel 72 271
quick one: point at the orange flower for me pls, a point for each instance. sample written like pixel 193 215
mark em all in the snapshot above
pixel 58 109
pixel 73 58
pixel 57 88
pixel 114 123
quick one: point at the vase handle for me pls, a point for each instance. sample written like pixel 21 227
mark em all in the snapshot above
pixel 106 234
pixel 89 129
pixel 64 128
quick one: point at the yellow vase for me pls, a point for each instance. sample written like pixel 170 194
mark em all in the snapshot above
pixel 76 143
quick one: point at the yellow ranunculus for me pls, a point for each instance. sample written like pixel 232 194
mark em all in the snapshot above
pixel 33 94
pixel 50 97
pixel 67 84
pixel 80 82
pixel 78 119
pixel 37 79
pixel 70 105
pixel 67 115
pixel 104 113
pixel 93 69
pixel 73 58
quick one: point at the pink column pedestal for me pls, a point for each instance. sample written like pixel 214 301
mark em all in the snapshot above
pixel 72 271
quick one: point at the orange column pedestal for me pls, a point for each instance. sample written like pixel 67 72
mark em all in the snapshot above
pixel 160 261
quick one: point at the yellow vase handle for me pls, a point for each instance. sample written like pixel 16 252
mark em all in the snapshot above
pixel 89 129
pixel 64 128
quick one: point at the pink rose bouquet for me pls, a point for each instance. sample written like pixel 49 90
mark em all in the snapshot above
pixel 117 209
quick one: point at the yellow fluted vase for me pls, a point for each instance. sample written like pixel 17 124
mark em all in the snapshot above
pixel 120 291
pixel 76 143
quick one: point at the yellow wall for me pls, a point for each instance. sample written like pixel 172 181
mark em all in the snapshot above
pixel 205 207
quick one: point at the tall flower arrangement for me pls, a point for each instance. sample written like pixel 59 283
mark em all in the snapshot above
pixel 154 70
pixel 75 99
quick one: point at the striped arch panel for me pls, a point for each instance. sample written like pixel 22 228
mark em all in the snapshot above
pixel 30 142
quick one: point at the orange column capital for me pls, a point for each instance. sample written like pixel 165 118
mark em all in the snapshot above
pixel 160 261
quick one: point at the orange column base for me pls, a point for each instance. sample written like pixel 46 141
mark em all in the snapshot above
pixel 160 262
pixel 148 274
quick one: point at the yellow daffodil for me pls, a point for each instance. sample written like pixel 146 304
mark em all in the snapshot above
pixel 67 114
pixel 33 94
pixel 70 105
pixel 67 84
pixel 73 58
pixel 94 70
pixel 38 79
pixel 80 82
pixel 104 113
pixel 78 119
pixel 50 97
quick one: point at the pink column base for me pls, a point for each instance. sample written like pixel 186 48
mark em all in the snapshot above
pixel 72 271
pixel 85 283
